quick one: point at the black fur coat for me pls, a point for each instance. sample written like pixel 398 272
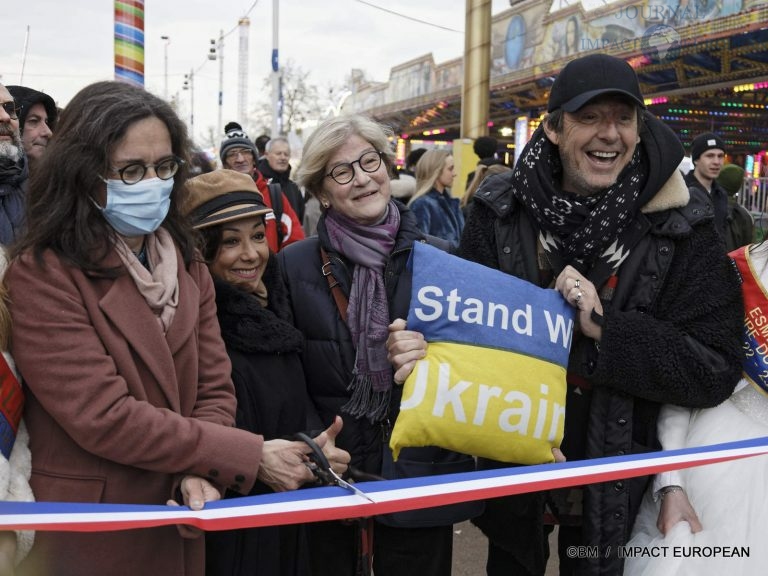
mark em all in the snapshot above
pixel 272 401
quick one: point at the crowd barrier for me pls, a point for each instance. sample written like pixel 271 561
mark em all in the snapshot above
pixel 334 503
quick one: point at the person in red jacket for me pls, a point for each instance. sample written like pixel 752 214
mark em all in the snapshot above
pixel 237 152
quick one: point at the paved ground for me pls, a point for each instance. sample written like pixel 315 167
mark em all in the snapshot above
pixel 469 552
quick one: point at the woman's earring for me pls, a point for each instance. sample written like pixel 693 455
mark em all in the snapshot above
pixel 326 204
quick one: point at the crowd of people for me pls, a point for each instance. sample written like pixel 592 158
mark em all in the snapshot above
pixel 173 326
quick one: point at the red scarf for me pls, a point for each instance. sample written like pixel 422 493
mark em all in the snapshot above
pixel 11 406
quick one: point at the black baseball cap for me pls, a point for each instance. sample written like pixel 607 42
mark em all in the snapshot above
pixel 590 76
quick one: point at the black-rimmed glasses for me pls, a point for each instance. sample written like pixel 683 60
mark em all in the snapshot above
pixel 165 170
pixel 10 109
pixel 345 173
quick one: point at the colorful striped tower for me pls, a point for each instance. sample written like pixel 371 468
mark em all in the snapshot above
pixel 129 41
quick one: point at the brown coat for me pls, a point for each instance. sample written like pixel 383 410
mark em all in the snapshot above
pixel 117 411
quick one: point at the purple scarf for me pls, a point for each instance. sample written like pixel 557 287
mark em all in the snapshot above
pixel 368 247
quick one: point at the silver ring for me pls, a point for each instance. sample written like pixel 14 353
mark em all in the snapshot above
pixel 578 282
pixel 578 297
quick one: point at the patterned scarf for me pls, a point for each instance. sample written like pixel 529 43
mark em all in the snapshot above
pixel 368 247
pixel 583 231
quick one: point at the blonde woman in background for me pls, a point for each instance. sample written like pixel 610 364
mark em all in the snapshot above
pixel 481 174
pixel 437 213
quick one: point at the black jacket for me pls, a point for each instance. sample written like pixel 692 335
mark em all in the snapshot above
pixel 329 355
pixel 264 348
pixel 719 198
pixel 740 226
pixel 290 188
pixel 671 334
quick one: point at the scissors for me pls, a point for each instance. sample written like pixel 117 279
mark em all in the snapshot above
pixel 321 468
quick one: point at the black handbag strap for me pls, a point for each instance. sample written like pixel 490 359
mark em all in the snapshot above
pixel 276 197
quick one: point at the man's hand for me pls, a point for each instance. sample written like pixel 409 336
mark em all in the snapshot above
pixel 582 295
pixel 404 349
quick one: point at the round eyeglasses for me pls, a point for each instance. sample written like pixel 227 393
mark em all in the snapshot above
pixel 232 154
pixel 134 173
pixel 345 173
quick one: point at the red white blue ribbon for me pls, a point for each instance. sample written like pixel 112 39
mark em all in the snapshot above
pixel 334 503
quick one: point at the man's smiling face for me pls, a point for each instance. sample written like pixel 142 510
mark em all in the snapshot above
pixel 596 143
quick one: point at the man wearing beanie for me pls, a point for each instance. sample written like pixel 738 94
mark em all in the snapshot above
pixel 238 153
pixel 37 120
pixel 740 226
pixel 597 209
pixel 708 156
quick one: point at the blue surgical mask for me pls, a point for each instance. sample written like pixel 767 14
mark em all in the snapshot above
pixel 137 209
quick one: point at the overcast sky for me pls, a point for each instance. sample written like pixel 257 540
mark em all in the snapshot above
pixel 71 44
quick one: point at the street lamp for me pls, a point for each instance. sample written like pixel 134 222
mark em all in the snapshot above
pixel 189 84
pixel 220 52
pixel 215 52
pixel 167 41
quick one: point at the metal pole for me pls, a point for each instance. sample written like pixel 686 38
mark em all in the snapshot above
pixel 242 69
pixel 477 66
pixel 167 41
pixel 277 108
pixel 221 80
pixel 192 104
pixel 24 56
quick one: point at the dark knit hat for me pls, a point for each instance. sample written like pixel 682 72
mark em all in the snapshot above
pixel 223 196
pixel 590 76
pixel 413 157
pixel 731 178
pixel 236 138
pixel 27 97
pixel 485 146
pixel 704 142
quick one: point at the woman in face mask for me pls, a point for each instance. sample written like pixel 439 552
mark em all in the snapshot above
pixel 130 398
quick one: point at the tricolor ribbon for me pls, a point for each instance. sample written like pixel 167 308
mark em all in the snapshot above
pixel 334 503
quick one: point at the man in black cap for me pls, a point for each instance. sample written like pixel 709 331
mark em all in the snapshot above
pixel 597 209
pixel 37 120
pixel 708 157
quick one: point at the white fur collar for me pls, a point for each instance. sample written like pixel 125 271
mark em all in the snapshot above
pixel 674 194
